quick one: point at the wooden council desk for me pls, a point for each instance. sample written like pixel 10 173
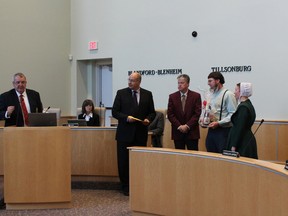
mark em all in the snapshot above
pixel 93 150
pixel 179 182
pixel 39 162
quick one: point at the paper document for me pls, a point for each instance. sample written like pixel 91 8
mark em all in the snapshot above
pixel 136 119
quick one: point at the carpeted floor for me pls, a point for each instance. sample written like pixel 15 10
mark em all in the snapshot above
pixel 93 199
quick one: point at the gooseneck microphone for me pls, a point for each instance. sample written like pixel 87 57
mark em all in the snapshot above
pixel 46 110
pixel 261 122
pixel 258 126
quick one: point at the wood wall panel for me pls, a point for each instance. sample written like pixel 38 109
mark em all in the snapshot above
pixel 282 142
pixel 1 152
pixel 266 138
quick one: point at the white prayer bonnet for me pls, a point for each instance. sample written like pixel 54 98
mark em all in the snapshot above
pixel 245 89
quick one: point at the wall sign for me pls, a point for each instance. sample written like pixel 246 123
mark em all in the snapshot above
pixel 247 68
pixel 158 72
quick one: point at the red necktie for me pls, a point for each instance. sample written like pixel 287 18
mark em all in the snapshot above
pixel 24 109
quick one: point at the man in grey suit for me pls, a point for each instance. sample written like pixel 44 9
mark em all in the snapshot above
pixel 133 107
pixel 157 128
pixel 10 102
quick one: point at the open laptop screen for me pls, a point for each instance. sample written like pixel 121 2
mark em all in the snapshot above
pixel 42 119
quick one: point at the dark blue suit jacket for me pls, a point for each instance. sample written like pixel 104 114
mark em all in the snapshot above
pixel 124 106
pixel 10 98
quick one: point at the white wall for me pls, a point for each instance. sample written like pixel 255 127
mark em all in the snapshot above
pixel 146 34
pixel 35 40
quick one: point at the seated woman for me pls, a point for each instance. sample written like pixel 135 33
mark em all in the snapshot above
pixel 88 113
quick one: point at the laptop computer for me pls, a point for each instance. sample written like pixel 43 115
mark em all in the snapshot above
pixel 77 122
pixel 42 119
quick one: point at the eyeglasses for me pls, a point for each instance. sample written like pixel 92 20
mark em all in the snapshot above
pixel 132 80
pixel 19 82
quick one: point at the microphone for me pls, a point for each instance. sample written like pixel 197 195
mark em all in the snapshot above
pixel 101 112
pixel 258 127
pixel 261 122
pixel 46 110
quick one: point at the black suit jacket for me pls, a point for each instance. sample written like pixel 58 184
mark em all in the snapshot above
pixel 92 121
pixel 124 106
pixel 190 117
pixel 10 98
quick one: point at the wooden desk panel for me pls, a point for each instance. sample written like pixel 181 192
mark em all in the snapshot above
pixel 178 182
pixel 94 151
pixel 37 167
pixel 1 151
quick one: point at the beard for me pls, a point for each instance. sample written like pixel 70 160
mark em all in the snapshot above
pixel 215 88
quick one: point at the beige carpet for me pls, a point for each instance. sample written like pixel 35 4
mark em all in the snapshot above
pixel 88 198
pixel 86 202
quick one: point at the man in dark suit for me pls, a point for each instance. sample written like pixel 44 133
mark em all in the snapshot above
pixel 184 110
pixel 134 109
pixel 11 108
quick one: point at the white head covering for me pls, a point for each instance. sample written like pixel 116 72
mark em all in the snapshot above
pixel 245 89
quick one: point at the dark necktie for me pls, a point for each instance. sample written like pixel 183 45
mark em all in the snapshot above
pixel 183 101
pixel 135 97
pixel 24 110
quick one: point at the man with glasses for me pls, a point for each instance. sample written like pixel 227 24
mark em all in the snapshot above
pixel 18 102
pixel 133 107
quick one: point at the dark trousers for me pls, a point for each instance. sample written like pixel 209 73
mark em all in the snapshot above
pixel 192 144
pixel 157 140
pixel 123 161
pixel 216 139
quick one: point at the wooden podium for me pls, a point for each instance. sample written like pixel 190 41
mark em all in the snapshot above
pixel 37 167
pixel 179 182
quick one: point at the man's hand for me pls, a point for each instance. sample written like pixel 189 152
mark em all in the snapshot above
pixel 213 125
pixel 145 122
pixel 10 110
pixel 130 119
pixel 183 128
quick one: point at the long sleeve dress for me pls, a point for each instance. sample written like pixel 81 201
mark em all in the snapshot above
pixel 240 135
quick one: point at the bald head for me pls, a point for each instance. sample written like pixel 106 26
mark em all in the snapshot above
pixel 134 81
